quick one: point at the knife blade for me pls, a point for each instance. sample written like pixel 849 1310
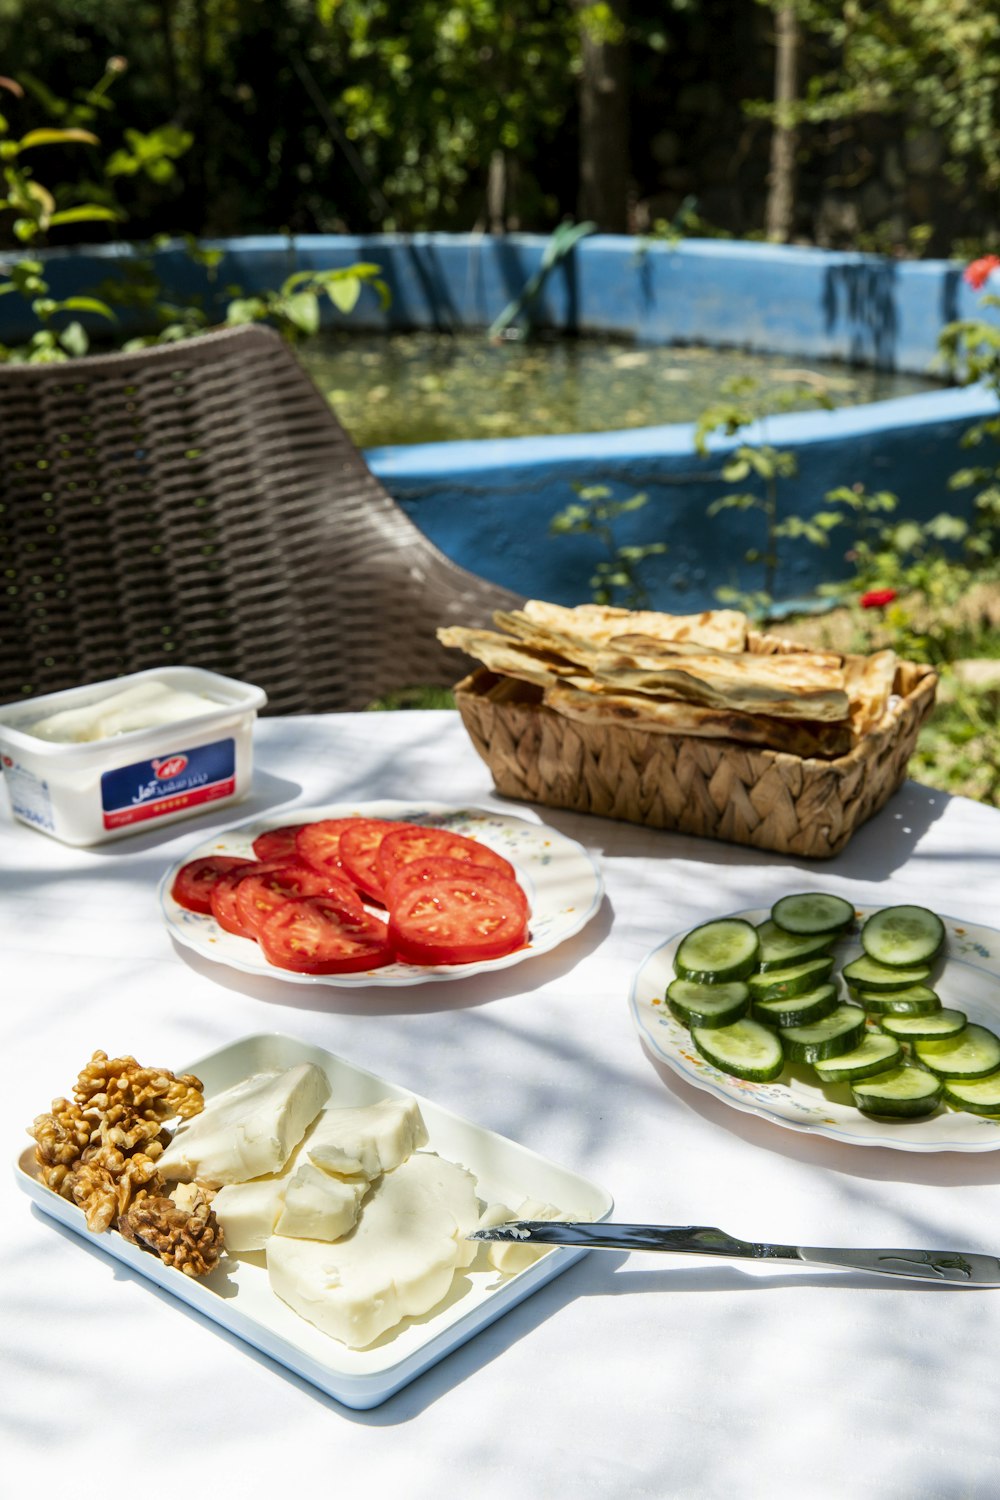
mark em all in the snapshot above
pixel 942 1267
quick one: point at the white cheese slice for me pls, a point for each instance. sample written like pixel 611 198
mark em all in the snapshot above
pixel 318 1206
pixel 510 1257
pixel 145 705
pixel 248 1211
pixel 398 1261
pixel 249 1130
pixel 367 1140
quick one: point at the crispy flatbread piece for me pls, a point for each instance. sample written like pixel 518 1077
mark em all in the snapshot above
pixel 724 629
pixel 869 681
pixel 657 716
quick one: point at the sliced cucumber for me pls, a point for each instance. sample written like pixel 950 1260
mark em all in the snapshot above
pixel 744 1050
pixel 717 952
pixel 876 1053
pixel 812 913
pixel 864 973
pixel 916 1000
pixel 778 948
pixel 901 936
pixel 779 984
pixel 981 1096
pixel 797 1010
pixel 840 1031
pixel 707 1004
pixel 924 1028
pixel 973 1053
pixel 905 1093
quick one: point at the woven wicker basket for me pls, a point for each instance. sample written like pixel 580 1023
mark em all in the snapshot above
pixel 716 789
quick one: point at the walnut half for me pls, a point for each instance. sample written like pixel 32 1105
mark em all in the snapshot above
pixel 190 1239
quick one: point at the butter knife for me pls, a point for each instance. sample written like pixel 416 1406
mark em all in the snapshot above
pixel 943 1267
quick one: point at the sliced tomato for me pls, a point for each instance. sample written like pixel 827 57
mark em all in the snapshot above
pixel 192 887
pixel 258 895
pixel 277 843
pixel 438 867
pixel 456 919
pixel 415 842
pixel 358 852
pixel 223 896
pixel 319 935
pixel 318 844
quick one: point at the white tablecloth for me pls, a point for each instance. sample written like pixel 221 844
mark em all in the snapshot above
pixel 627 1376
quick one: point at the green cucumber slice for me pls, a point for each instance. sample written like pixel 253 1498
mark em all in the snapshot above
pixel 779 984
pixel 778 948
pixel 797 1010
pixel 744 1050
pixel 925 1028
pixel 864 973
pixel 973 1053
pixel 840 1031
pixel 696 1004
pixel 812 913
pixel 718 951
pixel 981 1096
pixel 904 1093
pixel 876 1053
pixel 901 936
pixel 915 1000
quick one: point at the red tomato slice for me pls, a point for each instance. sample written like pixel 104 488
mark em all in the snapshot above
pixel 223 896
pixel 457 919
pixel 318 844
pixel 277 843
pixel 438 867
pixel 318 935
pixel 414 842
pixel 259 895
pixel 359 846
pixel 192 887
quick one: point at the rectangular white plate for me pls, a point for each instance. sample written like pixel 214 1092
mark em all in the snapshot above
pixel 238 1296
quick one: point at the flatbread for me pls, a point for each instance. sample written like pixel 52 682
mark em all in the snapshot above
pixel 657 716
pixel 513 658
pixel 724 629
pixel 869 681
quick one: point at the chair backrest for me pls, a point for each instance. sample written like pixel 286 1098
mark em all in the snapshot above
pixel 199 503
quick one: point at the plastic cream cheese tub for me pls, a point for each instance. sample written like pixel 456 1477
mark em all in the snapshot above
pixel 100 762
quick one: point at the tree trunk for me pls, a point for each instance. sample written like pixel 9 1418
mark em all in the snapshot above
pixel 604 156
pixel 780 212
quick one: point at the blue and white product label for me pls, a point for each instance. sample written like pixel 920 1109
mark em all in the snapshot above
pixel 30 798
pixel 168 784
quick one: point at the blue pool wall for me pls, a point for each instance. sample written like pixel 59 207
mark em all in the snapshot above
pixel 488 504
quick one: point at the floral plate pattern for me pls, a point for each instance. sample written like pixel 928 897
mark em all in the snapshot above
pixel 968 979
pixel 563 884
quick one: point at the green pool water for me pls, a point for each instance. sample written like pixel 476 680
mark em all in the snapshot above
pixel 426 387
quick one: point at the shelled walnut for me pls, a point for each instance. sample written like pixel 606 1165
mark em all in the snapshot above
pixel 99 1150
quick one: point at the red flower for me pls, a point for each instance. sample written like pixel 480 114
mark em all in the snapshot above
pixel 977 272
pixel 877 598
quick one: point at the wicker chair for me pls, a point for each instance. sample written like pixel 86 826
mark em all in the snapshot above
pixel 199 503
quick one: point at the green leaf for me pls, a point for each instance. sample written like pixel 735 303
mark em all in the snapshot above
pixel 82 214
pixel 74 339
pixel 344 294
pixel 302 311
pixel 87 304
pixel 48 136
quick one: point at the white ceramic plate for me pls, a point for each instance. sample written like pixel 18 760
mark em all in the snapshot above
pixel 562 881
pixel 968 980
pixel 239 1298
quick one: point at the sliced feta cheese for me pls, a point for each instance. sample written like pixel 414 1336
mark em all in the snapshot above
pixel 398 1261
pixel 248 1211
pixel 509 1258
pixel 250 1130
pixel 367 1140
pixel 318 1206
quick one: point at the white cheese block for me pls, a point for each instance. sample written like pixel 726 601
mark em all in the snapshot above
pixel 248 1211
pixel 398 1261
pixel 249 1130
pixel 145 705
pixel 318 1206
pixel 367 1140
pixel 510 1257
